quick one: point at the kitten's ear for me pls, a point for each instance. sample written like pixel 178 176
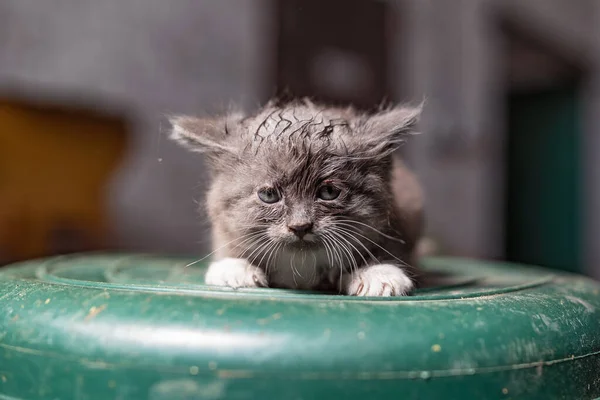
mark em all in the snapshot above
pixel 395 123
pixel 203 135
pixel 385 130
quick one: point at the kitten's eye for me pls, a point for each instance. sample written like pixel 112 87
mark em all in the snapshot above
pixel 328 192
pixel 269 195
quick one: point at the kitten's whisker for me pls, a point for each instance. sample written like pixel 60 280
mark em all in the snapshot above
pixel 297 270
pixel 263 250
pixel 347 252
pixel 268 254
pixel 330 259
pixel 219 248
pixel 266 251
pixel 326 246
pixel 255 236
pixel 335 257
pixel 350 235
pixel 343 221
pixel 257 249
pixel 274 251
pixel 402 262
pixel 339 232
pixel 355 263
pixel 293 268
pixel 254 245
pixel 335 253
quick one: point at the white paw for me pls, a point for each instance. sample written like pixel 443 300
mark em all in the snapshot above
pixel 235 273
pixel 380 280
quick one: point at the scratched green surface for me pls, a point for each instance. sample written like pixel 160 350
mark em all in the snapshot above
pixel 141 327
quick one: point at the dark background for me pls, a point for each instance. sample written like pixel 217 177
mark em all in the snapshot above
pixel 508 153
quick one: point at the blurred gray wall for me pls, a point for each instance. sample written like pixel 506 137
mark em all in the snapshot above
pixel 456 57
pixel 154 56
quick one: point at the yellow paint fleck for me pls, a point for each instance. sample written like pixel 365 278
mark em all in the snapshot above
pixel 47 301
pixel 220 311
pixel 194 370
pixel 212 365
pixel 4 378
pixel 479 308
pixel 274 317
pixel 436 348
pixel 504 391
pixel 229 374
pixel 94 311
pixel 112 384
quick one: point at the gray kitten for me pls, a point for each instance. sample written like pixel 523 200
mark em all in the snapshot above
pixel 305 196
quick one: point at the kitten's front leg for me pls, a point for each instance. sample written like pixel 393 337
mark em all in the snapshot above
pixel 235 273
pixel 381 280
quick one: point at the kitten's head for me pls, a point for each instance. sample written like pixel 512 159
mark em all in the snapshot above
pixel 300 175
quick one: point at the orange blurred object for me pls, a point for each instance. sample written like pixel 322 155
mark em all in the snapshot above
pixel 55 164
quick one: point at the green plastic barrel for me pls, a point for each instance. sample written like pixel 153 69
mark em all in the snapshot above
pixel 143 327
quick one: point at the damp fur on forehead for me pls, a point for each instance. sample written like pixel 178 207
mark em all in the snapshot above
pixel 296 122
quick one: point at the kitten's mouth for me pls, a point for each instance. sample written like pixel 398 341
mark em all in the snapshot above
pixel 308 241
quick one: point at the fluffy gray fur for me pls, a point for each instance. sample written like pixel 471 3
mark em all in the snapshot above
pixel 360 243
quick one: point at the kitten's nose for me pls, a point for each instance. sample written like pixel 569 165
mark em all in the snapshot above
pixel 301 229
